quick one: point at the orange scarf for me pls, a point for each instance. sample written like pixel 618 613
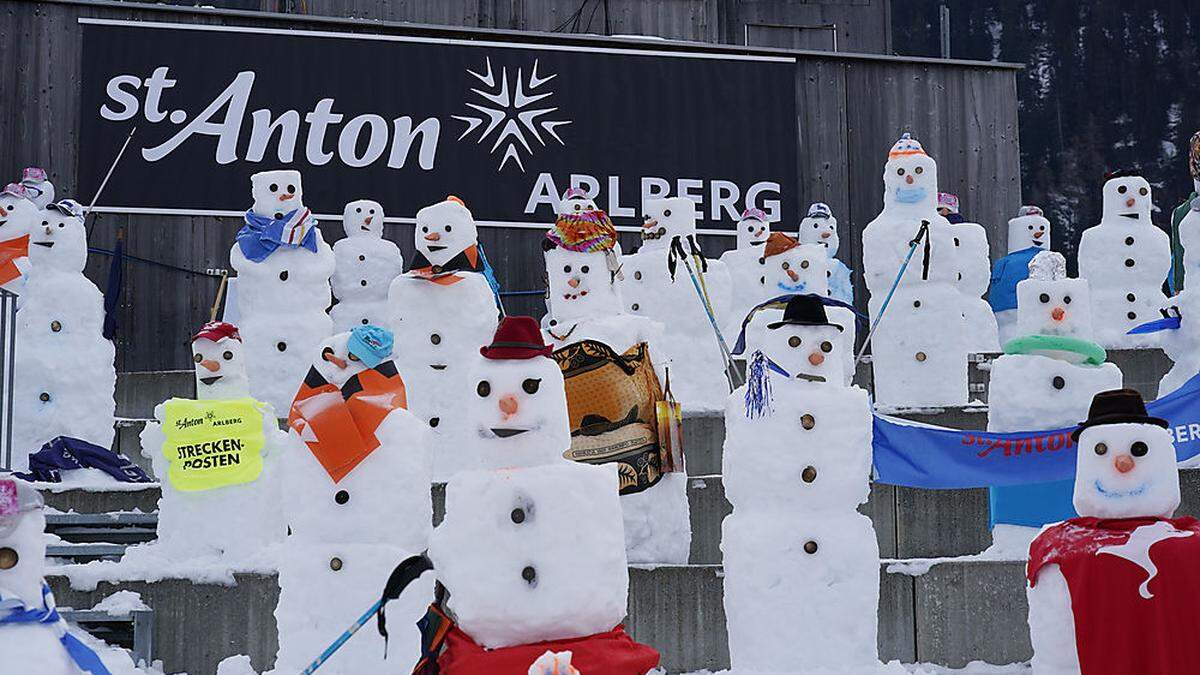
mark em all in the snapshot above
pixel 10 251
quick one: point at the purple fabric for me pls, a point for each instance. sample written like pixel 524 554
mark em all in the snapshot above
pixel 64 453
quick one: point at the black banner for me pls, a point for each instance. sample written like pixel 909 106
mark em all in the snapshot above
pixel 407 121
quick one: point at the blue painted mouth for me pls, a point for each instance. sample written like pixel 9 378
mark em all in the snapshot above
pixel 910 195
pixel 1118 494
pixel 798 287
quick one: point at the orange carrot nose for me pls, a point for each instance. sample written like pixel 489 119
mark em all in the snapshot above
pixel 573 282
pixel 825 235
pixel 211 365
pixel 1058 313
pixel 1038 234
pixel 508 405
pixel 433 236
pixel 1129 202
pixel 1123 463
pixel 339 362
pixel 649 224
pixel 816 358
pixel 3 213
pixel 368 219
pixel 284 198
pixel 793 276
pixel 908 179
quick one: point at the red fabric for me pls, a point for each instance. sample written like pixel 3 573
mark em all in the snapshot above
pixel 215 331
pixel 611 653
pixel 1118 630
pixel 517 337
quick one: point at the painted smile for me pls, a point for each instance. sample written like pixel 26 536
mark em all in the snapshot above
pixel 791 288
pixel 1121 494
pixel 502 432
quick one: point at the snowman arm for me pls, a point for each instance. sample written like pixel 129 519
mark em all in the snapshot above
pixel 1052 624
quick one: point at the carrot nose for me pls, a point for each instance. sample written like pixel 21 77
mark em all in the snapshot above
pixel 3 213
pixel 816 358
pixel 649 224
pixel 368 219
pixel 793 276
pixel 1038 234
pixel 339 362
pixel 211 365
pixel 908 179
pixel 433 236
pixel 825 235
pixel 1058 313
pixel 284 198
pixel 1129 202
pixel 1123 463
pixel 508 405
pixel 573 282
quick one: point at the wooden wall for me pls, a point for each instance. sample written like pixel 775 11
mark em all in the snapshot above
pixel 850 110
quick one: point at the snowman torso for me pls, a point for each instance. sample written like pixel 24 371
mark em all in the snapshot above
pixel 1182 345
pixel 365 268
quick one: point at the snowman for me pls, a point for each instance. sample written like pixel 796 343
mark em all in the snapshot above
pixel 1028 235
pixel 820 227
pixel 920 343
pixel 37 186
pixel 1125 258
pixel 1045 380
pixel 659 285
pixel 64 367
pixel 33 637
pixel 213 510
pixel 1124 561
pixel 358 481
pixel 283 266
pixel 18 215
pixel 441 311
pixel 511 554
pixel 1180 340
pixel 801 564
pixel 366 264
pixel 973 265
pixel 745 263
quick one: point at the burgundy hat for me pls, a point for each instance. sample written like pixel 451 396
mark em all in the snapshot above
pixel 517 337
pixel 216 331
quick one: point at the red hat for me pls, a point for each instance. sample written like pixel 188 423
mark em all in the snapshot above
pixel 217 331
pixel 517 337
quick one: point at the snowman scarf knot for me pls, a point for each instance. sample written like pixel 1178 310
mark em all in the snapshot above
pixel 13 611
pixel 263 235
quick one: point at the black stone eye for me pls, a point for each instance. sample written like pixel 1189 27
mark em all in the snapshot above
pixel 578 206
pixel 667 213
pixel 531 385
pixel 291 188
pixel 793 342
pixel 1122 189
pixel 448 228
pixel 1066 299
pixel 1100 449
pixel 1143 192
pixel 916 304
pixel 566 269
pixel 1031 228
pixel 62 224
pixel 484 388
pixel 1044 297
pixel 827 346
pixel 899 172
pixel 918 170
pixel 424 228
pixel 786 266
pixel 228 356
pixel 198 358
pixel 529 574
pixel 1058 382
pixel 371 211
pixel 358 209
pixel 1139 449
pixel 517 515
pixel 584 269
pixel 749 228
pixel 274 187
pixel 44 222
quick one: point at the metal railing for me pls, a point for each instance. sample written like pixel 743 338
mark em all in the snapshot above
pixel 8 362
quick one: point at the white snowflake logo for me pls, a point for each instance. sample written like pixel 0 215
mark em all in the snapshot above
pixel 509 113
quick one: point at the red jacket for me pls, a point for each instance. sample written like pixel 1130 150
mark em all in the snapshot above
pixel 611 653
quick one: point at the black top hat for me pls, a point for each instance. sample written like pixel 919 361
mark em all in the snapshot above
pixel 1118 406
pixel 804 310
pixel 1122 173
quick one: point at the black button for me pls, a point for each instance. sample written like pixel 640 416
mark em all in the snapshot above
pixel 434 421
pixel 281 346
pixel 44 397
pixel 637 275
pixel 1129 262
pixel 1058 382
pixel 362 258
pixel 518 515
pixel 283 275
pixel 341 497
pixel 335 564
pixel 529 574
pixel 55 326
pixel 435 339
pixel 1131 297
pixel 366 322
pixel 362 283
pixel 634 307
pixel 1129 241
pixel 810 547
pixel 809 474
pixel 1132 315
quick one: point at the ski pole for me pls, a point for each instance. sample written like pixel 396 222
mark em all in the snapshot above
pixel 922 232
pixel 404 574
pixel 730 370
pixel 111 169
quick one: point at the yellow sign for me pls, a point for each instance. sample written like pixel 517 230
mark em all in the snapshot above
pixel 212 444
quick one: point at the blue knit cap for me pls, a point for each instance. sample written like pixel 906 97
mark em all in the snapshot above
pixel 371 344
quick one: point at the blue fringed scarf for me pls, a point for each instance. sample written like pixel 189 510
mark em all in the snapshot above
pixel 14 611
pixel 758 385
pixel 262 235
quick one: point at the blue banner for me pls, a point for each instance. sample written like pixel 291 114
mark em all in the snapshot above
pixel 912 454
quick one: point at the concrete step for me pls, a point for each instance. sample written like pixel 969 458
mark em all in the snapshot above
pixel 949 613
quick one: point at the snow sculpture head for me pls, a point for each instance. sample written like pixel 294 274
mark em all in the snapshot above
pixel 909 177
pixel 38 186
pixel 948 206
pixel 1127 199
pixel 444 230
pixel 1028 228
pixel 276 193
pixel 220 363
pixel 582 261
pixel 665 219
pixel 820 227
pixel 345 355
pixel 18 214
pixel 517 407
pixel 792 267
pixel 22 541
pixel 533 554
pixel 1126 460
pixel 752 229
pixel 805 343
pixel 971 247
pixel 1048 303
pixel 59 240
pixel 575 201
pixel 363 218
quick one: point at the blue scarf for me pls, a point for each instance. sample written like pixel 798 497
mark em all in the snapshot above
pixel 63 453
pixel 14 611
pixel 262 235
